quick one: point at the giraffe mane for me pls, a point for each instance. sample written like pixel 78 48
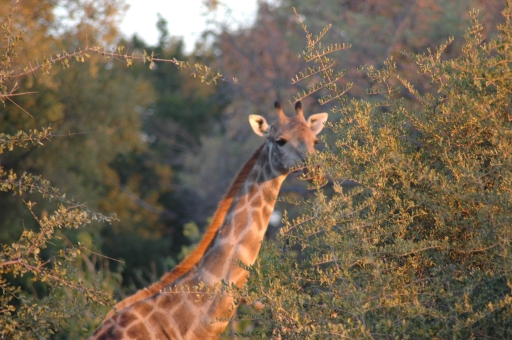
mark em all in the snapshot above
pixel 196 255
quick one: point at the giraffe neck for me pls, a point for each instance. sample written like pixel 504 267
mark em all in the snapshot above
pixel 239 238
pixel 182 315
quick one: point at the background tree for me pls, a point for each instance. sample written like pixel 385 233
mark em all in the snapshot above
pixel 150 236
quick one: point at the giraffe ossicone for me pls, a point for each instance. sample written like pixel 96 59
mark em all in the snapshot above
pixel 164 310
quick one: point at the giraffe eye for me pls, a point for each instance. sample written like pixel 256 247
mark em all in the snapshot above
pixel 281 141
pixel 316 141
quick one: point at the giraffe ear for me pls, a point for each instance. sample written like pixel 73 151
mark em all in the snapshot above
pixel 316 122
pixel 259 125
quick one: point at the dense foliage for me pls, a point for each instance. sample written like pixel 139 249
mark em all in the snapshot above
pixel 420 247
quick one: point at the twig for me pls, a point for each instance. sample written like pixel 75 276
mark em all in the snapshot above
pixel 12 101
pixel 8 263
pixel 101 255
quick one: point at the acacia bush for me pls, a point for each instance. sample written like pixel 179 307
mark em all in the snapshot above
pixel 421 247
pixel 43 288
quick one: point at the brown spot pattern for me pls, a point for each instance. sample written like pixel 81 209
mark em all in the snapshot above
pixel 240 216
pixel 143 308
pixel 184 318
pixel 202 332
pixel 138 331
pixel 108 334
pixel 157 318
pixel 199 303
pixel 267 210
pixel 256 218
pixel 162 326
pixel 256 201
pixel 165 302
pixel 252 244
pixel 249 240
pixel 125 319
pixel 216 259
pixel 238 228
pixel 222 308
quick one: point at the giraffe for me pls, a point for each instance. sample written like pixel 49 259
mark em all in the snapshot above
pixel 235 234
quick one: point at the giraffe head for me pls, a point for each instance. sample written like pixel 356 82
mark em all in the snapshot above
pixel 290 139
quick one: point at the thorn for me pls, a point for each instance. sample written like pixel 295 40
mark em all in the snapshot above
pixel 32 69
